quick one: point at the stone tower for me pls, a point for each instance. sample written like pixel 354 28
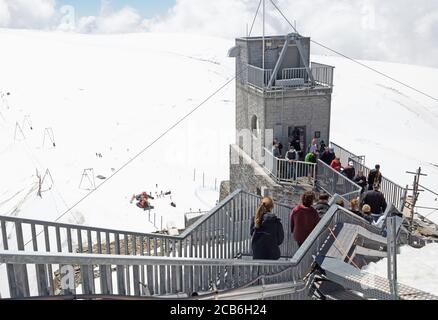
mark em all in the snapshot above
pixel 279 94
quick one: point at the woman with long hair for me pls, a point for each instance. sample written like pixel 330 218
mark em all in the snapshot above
pixel 267 232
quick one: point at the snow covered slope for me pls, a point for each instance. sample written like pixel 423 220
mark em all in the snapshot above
pixel 112 95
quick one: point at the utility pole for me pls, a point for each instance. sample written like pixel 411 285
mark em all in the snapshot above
pixel 415 194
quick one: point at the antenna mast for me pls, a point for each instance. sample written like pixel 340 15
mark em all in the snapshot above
pixel 263 50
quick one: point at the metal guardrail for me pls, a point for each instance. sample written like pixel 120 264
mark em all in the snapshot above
pixel 333 182
pixel 284 171
pixel 258 77
pixel 180 274
pixel 393 192
pixel 345 156
pixel 222 233
pixel 294 73
pixel 322 74
pixel 176 273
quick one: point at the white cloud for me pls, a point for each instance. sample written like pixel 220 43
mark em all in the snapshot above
pixel 393 30
pixel 5 15
pixel 396 30
pixel 122 21
pixel 32 14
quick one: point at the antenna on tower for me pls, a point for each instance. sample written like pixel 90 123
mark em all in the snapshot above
pixel 263 41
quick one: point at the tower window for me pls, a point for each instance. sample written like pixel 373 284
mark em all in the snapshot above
pixel 255 125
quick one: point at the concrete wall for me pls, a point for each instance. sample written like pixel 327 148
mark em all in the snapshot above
pixel 249 104
pixel 251 177
pixel 251 52
pixel 310 108
pixel 295 107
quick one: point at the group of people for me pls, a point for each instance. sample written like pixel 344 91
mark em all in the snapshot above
pixel 370 205
pixel 143 200
pixel 327 155
pixel 295 151
pixel 267 230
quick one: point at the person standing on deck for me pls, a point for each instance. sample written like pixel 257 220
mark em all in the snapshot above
pixel 374 177
pixel 291 157
pixel 280 147
pixel 314 146
pixel 303 218
pixel 349 171
pixel 267 232
pixel 336 164
pixel 375 199
pixel 276 151
pixel 361 180
pixel 322 205
pixel 354 207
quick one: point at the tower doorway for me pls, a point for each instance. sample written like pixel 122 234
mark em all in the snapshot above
pixel 297 138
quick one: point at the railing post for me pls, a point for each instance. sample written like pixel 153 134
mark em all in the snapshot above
pixel 392 255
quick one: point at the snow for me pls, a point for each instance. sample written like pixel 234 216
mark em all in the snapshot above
pixel 115 94
pixel 390 124
pixel 416 268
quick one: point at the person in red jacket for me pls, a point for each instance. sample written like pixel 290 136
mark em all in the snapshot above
pixel 303 218
pixel 336 164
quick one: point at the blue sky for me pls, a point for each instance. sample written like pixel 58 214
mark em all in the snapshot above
pixel 146 8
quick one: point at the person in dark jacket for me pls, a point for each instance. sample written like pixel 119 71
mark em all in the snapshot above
pixel 291 156
pixel 328 155
pixel 322 205
pixel 303 218
pixel 361 180
pixel 267 232
pixel 275 151
pixel 322 147
pixel 375 199
pixel 374 177
pixel 349 171
pixel 280 146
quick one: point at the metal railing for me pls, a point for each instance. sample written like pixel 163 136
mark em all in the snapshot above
pixel 292 172
pixel 110 274
pixel 393 192
pixel 333 182
pixel 164 275
pixel 322 74
pixel 258 77
pixel 222 233
pixel 345 156
pixel 294 73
